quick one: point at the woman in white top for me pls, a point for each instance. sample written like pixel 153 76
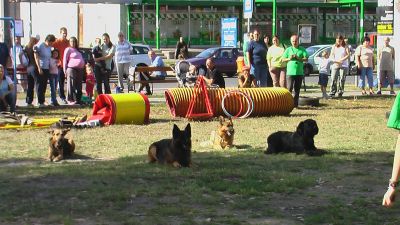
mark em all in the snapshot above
pixel 339 55
pixel 123 51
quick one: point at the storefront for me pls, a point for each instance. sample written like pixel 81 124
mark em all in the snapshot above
pixel 200 25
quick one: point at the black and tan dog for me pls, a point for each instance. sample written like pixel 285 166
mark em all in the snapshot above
pixel 299 142
pixel 176 151
pixel 60 146
pixel 224 135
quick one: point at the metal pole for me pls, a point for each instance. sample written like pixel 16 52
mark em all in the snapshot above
pixel 157 24
pixel 143 24
pixel 273 17
pixel 30 18
pixel 128 32
pixel 361 20
pixel 189 25
pixel 248 25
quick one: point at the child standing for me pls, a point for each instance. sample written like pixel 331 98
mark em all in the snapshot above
pixel 53 78
pixel 90 80
pixel 323 68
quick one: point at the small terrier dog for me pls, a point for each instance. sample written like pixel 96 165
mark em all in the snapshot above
pixel 176 151
pixel 224 135
pixel 60 146
pixel 299 142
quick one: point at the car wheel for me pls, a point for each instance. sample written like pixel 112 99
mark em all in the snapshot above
pixel 308 101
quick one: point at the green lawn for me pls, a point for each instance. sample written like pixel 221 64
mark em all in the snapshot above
pixel 110 181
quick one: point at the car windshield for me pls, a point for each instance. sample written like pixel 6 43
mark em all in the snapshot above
pixel 312 49
pixel 206 53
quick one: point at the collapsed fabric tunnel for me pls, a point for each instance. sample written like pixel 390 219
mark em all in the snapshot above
pixel 132 108
pixel 267 101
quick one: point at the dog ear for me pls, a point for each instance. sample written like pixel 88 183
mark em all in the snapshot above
pixel 65 131
pixel 188 131
pixel 230 120
pixel 300 128
pixel 175 131
pixel 221 120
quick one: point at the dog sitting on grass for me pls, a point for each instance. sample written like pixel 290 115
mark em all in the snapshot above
pixel 299 142
pixel 224 135
pixel 176 151
pixel 60 146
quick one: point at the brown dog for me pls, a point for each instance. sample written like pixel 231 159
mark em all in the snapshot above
pixel 224 134
pixel 176 151
pixel 60 146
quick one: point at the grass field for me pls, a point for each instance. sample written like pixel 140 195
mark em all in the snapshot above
pixel 110 181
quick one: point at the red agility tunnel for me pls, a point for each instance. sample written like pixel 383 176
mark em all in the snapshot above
pixel 132 108
pixel 267 101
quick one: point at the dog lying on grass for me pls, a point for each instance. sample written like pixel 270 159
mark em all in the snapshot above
pixel 60 146
pixel 176 151
pixel 224 135
pixel 299 142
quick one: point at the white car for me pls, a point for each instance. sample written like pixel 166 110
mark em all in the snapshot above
pixel 139 55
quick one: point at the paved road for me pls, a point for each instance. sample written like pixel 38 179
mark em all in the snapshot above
pixel 230 82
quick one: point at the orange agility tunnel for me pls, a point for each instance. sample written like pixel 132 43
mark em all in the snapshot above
pixel 266 101
pixel 132 108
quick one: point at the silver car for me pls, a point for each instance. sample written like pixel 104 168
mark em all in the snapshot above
pixel 314 58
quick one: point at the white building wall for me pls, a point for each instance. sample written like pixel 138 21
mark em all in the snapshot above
pixel 99 19
pixel 47 18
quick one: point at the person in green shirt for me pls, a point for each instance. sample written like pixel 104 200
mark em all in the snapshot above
pixel 295 56
pixel 394 122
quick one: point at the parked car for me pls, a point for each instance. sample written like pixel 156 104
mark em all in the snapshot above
pixel 314 58
pixel 224 58
pixel 315 55
pixel 139 55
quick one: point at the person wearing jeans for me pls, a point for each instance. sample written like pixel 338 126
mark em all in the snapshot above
pixel 61 44
pixel 103 76
pixel 257 54
pixel 365 62
pixel 31 69
pixel 42 59
pixel 340 54
pixel 295 56
pixel 122 58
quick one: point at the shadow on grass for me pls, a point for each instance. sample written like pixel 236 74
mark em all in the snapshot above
pixel 54 112
pixel 243 182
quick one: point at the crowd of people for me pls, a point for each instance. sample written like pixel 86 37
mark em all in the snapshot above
pixel 278 65
pixel 58 61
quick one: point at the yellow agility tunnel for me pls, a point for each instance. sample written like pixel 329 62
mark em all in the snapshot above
pixel 267 101
pixel 132 108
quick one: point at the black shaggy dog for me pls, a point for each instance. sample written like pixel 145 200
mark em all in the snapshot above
pixel 299 142
pixel 176 151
